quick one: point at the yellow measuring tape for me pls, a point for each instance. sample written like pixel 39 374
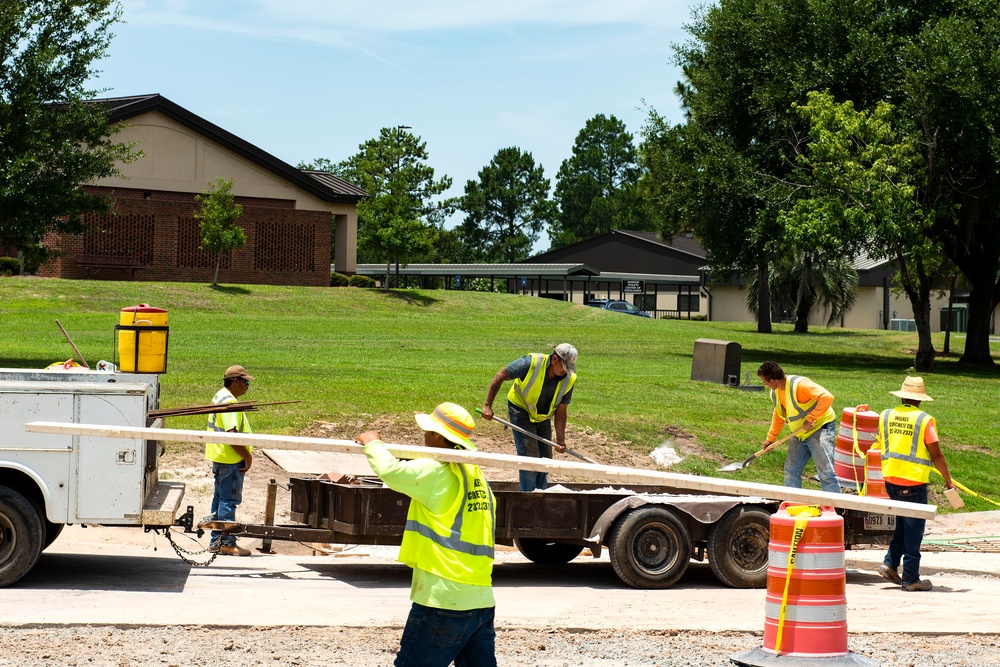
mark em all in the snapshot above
pixel 802 513
pixel 967 489
pixel 862 490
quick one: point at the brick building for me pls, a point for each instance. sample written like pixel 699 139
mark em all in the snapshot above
pixel 290 216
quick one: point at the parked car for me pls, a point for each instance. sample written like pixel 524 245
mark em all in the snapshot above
pixel 618 307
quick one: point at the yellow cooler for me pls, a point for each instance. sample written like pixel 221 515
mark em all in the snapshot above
pixel 142 339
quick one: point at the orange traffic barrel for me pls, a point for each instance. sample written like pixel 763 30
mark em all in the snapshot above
pixel 848 461
pixel 142 334
pixel 805 609
pixel 874 484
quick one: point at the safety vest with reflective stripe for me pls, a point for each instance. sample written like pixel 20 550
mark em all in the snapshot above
pixel 456 544
pixel 901 434
pixel 225 453
pixel 525 393
pixel 793 412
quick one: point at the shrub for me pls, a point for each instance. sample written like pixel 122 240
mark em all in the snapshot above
pixel 10 266
pixel 339 279
pixel 361 281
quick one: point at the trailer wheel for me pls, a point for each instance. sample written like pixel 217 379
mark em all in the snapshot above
pixel 737 547
pixel 650 548
pixel 547 552
pixel 21 535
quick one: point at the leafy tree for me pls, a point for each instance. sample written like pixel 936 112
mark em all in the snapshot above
pixel 750 61
pixel 863 175
pixel 51 140
pixel 597 188
pixel 400 219
pixel 506 208
pixel 217 215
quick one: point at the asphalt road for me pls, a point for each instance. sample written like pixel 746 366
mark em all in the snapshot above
pixel 82 581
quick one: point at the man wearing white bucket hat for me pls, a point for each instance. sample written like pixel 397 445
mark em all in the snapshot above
pixel 908 440
pixel 542 388
pixel 447 541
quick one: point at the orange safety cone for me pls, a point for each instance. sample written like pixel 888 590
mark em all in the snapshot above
pixel 805 611
pixel 856 433
pixel 874 484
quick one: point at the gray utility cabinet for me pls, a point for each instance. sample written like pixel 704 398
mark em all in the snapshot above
pixel 716 361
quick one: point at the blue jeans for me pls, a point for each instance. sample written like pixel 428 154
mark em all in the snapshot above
pixel 905 544
pixel 436 637
pixel 228 495
pixel 530 480
pixel 818 447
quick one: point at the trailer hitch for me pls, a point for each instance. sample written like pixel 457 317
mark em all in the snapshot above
pixel 186 521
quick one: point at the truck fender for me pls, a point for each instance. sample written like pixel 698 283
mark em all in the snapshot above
pixel 26 478
pixel 705 509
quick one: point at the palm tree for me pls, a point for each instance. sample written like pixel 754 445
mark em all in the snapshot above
pixel 804 281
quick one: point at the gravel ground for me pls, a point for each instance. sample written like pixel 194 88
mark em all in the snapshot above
pixel 368 647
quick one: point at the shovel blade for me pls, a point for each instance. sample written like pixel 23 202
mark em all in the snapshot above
pixel 737 465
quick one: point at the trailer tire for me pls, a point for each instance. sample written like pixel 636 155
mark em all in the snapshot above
pixel 738 547
pixel 650 547
pixel 21 536
pixel 547 552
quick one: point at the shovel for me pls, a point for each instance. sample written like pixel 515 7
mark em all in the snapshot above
pixel 535 437
pixel 740 465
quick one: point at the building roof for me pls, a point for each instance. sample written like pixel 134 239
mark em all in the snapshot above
pixel 683 243
pixel 484 270
pixel 325 186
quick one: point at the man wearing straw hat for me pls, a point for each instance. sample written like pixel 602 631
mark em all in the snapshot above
pixel 230 463
pixel 542 388
pixel 447 541
pixel 908 440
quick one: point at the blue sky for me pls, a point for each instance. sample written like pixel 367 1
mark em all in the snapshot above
pixel 304 79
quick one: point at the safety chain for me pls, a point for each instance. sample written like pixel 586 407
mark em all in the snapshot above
pixel 182 552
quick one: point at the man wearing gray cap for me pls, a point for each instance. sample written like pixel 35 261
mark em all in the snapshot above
pixel 543 387
pixel 230 463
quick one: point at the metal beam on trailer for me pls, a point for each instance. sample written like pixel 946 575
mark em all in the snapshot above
pixel 599 473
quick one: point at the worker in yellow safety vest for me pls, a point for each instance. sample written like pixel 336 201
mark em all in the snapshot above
pixel 542 388
pixel 447 541
pixel 908 439
pixel 230 463
pixel 802 404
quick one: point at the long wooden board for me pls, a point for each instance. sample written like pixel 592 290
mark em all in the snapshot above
pixel 589 471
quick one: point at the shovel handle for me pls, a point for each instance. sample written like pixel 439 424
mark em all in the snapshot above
pixel 539 439
pixel 774 444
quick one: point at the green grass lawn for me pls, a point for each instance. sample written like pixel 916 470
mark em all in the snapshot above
pixel 345 351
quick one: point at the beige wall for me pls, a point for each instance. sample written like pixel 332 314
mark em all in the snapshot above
pixel 728 305
pixel 178 159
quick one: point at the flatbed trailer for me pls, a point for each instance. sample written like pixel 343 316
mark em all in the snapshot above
pixel 651 532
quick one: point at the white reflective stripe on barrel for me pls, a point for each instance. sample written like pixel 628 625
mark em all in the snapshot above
pixel 807 613
pixel 807 561
pixel 849 459
pixel 863 436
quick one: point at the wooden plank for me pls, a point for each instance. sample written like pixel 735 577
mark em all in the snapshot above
pixel 588 471
pixel 299 462
pixel 161 508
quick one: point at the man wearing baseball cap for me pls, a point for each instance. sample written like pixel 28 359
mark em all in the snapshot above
pixel 447 541
pixel 543 387
pixel 230 463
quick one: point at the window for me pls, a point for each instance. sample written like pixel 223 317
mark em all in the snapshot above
pixel 619 305
pixel 688 302
pixel 645 302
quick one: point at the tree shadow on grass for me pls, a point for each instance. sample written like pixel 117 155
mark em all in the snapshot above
pixel 231 289
pixel 409 296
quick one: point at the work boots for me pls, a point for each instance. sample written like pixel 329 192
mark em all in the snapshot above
pixel 918 585
pixel 229 550
pixel 889 574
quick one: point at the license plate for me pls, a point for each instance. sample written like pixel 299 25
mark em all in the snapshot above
pixel 880 522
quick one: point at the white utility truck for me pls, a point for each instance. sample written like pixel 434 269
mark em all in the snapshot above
pixel 48 481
